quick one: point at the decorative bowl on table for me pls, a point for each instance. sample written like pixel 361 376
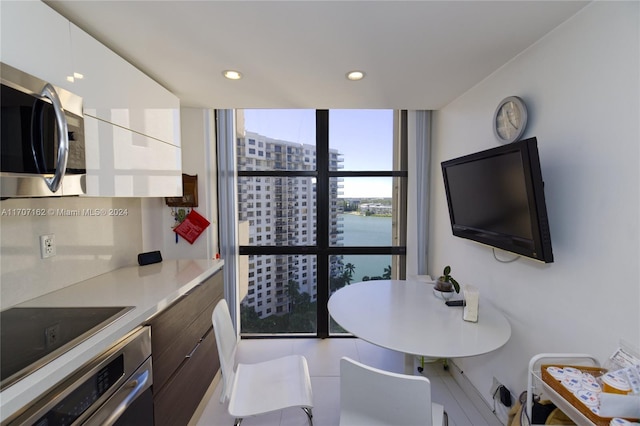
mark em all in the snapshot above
pixel 444 295
pixel 444 289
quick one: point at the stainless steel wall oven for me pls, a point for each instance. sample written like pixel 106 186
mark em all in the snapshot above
pixel 112 389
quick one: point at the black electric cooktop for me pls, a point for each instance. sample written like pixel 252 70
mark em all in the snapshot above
pixel 32 337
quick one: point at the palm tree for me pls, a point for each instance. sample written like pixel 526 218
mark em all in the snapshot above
pixel 350 267
pixel 293 293
pixel 347 275
pixel 387 273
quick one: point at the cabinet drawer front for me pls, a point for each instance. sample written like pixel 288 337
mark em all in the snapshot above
pixel 177 330
pixel 170 324
pixel 176 402
pixel 171 356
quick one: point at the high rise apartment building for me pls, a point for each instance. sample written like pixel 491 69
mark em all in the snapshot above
pixel 281 211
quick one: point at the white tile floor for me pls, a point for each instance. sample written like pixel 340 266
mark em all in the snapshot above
pixel 323 357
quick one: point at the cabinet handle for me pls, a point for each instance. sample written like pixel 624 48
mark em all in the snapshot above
pixel 193 289
pixel 194 349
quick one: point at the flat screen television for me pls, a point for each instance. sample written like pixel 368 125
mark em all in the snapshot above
pixel 496 197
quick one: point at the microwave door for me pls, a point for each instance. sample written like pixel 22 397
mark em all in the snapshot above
pixel 41 139
pixel 39 131
pixel 32 127
pixel 17 109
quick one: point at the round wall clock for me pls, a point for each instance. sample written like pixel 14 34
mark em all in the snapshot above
pixel 510 119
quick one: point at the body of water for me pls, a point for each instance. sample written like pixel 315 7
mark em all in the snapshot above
pixel 367 231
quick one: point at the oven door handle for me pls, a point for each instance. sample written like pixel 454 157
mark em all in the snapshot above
pixel 136 385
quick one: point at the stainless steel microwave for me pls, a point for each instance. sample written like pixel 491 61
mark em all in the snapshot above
pixel 42 138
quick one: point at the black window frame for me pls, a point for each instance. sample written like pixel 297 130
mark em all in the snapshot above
pixel 323 250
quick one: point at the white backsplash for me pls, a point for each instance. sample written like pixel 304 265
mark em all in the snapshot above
pixel 92 236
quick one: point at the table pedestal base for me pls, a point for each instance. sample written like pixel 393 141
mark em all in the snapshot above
pixel 409 363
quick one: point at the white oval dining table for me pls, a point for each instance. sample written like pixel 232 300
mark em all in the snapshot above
pixel 407 317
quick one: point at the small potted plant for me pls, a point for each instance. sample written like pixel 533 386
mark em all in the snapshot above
pixel 446 283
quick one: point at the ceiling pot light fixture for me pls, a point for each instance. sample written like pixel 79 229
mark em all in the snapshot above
pixel 232 75
pixel 355 75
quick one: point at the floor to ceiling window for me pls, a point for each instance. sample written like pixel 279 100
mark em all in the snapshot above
pixel 321 205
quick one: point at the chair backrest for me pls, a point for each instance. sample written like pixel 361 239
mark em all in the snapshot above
pixel 227 343
pixel 370 396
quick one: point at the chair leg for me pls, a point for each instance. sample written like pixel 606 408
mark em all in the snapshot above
pixel 309 415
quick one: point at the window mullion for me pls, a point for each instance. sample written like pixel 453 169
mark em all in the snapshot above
pixel 322 220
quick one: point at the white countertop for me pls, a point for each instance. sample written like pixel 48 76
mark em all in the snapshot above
pixel 149 289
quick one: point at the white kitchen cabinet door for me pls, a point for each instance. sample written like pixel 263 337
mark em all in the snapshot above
pixel 122 163
pixel 36 39
pixel 115 91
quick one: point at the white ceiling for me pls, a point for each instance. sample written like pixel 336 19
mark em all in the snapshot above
pixel 295 54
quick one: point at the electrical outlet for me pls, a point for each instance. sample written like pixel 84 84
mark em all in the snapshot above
pixel 47 246
pixel 494 387
pixel 51 335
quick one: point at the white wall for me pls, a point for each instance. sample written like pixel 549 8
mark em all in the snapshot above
pixel 198 158
pixel 87 246
pixel 581 85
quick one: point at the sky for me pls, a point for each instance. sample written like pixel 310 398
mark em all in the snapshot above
pixel 364 137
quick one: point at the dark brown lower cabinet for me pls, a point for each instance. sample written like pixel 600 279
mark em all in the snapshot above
pixel 185 358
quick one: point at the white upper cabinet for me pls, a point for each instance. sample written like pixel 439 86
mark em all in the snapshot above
pixel 39 41
pixel 36 39
pixel 129 164
pixel 132 123
pixel 115 91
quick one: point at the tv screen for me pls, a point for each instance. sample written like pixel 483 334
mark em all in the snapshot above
pixel 496 197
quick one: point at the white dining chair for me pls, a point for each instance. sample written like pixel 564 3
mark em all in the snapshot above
pixel 260 388
pixel 373 397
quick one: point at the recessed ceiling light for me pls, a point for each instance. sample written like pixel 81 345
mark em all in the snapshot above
pixel 355 75
pixel 232 75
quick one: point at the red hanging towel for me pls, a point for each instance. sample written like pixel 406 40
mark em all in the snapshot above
pixel 192 226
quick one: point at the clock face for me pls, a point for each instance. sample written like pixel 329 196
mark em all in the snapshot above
pixel 510 119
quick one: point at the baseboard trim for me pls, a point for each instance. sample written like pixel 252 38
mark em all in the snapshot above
pixel 473 393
